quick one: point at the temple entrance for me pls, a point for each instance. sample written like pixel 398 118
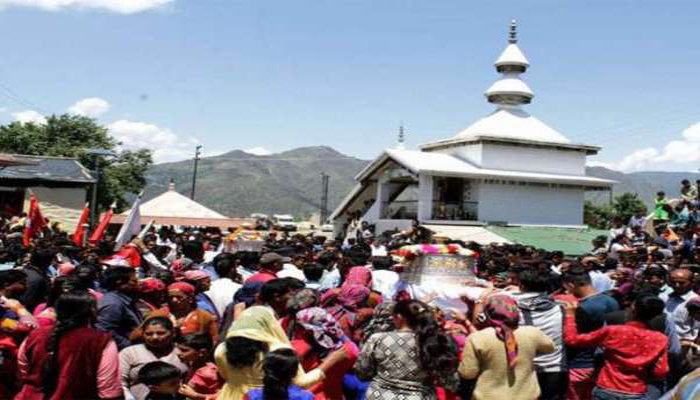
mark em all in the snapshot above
pixel 454 200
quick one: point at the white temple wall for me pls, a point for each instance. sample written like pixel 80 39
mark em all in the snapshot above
pixel 425 197
pixel 529 159
pixel 525 204
pixel 471 152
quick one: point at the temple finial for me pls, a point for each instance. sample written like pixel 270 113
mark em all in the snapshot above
pixel 402 136
pixel 513 36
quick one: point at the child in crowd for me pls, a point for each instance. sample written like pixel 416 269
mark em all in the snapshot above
pixel 279 369
pixel 203 381
pixel 162 379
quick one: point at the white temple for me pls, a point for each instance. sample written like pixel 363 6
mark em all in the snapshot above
pixel 508 167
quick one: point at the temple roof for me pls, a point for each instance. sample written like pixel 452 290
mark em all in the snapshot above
pixel 446 165
pixel 513 123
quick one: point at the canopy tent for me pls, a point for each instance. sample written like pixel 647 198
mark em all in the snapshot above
pixel 172 208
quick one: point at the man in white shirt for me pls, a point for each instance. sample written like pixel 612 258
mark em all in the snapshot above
pixel 378 248
pixel 681 281
pixel 222 289
pixel 384 280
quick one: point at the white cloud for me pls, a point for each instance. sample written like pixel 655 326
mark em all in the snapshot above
pixel 681 152
pixel 258 151
pixel 29 116
pixel 118 6
pixel 90 107
pixel 166 145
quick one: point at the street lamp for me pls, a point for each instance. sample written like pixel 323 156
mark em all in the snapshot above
pixel 97 153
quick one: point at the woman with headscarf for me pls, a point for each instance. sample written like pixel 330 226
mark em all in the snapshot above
pixel 188 318
pixel 500 357
pixel 152 295
pixel 355 276
pixel 316 336
pixel 202 282
pixel 382 320
pixel 252 335
pixel 352 312
pixel 411 361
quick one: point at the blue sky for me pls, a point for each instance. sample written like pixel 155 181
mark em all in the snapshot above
pixel 234 74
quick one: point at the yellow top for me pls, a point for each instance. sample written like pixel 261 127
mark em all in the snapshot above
pixel 256 323
pixel 484 358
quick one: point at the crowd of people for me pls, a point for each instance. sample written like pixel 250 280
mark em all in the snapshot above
pixel 173 315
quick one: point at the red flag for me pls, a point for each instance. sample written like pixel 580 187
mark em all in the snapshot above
pixel 102 227
pixel 80 230
pixel 35 221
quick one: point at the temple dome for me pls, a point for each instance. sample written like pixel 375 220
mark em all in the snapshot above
pixel 512 123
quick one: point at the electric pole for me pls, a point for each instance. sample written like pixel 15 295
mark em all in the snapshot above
pixel 324 197
pixel 194 174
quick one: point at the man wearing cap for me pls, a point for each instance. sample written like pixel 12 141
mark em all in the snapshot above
pixel 270 265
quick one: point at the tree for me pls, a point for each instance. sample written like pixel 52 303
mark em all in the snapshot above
pixel 70 136
pixel 626 205
pixel 600 216
pixel 597 216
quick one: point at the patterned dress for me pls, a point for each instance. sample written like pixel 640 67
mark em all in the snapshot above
pixel 391 360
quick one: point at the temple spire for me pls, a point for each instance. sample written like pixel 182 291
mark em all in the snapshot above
pixel 510 90
pixel 402 138
pixel 513 36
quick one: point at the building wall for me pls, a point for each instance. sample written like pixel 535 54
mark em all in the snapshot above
pixel 60 204
pixel 525 204
pixel 528 159
pixel 471 153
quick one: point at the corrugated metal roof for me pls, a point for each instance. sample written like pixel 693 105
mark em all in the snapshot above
pixel 571 241
pixel 50 169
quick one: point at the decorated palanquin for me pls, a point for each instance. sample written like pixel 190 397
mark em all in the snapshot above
pixel 435 263
pixel 244 239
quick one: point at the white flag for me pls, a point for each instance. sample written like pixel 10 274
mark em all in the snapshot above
pixel 132 225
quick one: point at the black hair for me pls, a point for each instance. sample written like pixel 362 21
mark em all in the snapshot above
pixel 224 263
pixel 382 262
pixel 165 322
pixel 41 257
pixel 113 277
pixel 11 276
pixel 166 276
pixel 327 258
pixel 294 283
pixel 648 307
pixel 62 284
pixel 248 258
pixel 655 270
pixel 313 271
pixel 243 352
pixel 156 372
pixel 73 310
pixel 577 276
pixel 193 249
pixel 437 352
pixel 279 369
pixel 274 288
pixel 197 341
pixel 661 193
pixel 534 281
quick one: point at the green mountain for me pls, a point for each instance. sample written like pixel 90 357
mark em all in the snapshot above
pixel 239 184
pixel 645 183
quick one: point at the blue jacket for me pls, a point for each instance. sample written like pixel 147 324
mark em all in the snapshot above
pixel 117 314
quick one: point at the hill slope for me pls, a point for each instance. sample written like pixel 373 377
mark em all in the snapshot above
pixel 238 183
